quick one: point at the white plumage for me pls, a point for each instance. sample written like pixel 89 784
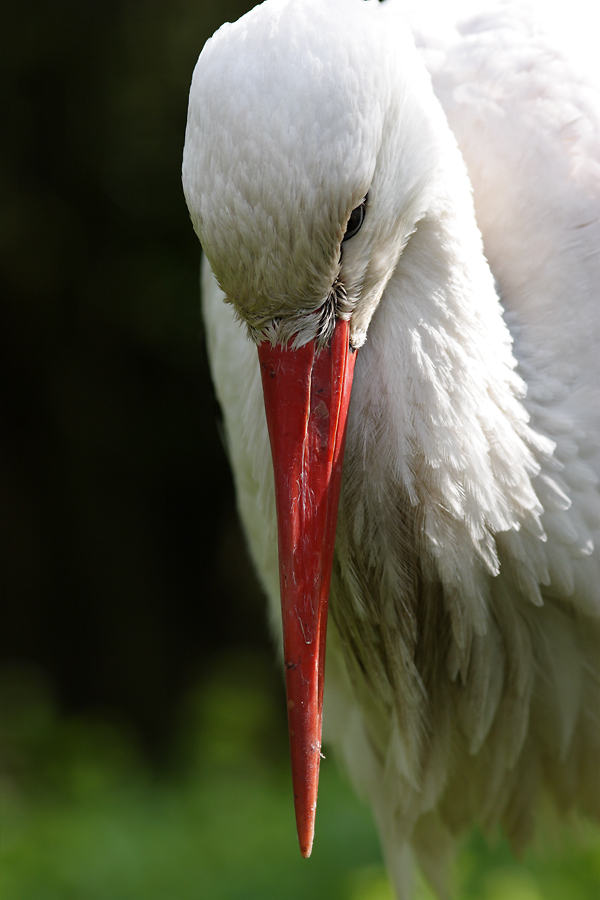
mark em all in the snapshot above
pixel 464 637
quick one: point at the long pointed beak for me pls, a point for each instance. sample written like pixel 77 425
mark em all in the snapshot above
pixel 307 393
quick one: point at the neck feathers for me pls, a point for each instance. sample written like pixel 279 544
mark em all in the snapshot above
pixel 440 456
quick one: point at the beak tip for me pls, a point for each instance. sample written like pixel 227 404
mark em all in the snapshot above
pixel 306 841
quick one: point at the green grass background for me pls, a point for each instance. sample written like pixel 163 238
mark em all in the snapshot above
pixel 86 817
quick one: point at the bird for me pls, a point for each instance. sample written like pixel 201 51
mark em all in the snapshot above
pixel 400 226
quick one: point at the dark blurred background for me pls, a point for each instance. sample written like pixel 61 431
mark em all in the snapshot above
pixel 123 573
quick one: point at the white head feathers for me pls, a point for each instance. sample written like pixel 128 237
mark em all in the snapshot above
pixel 287 133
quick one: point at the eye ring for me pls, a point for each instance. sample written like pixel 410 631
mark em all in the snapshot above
pixel 357 217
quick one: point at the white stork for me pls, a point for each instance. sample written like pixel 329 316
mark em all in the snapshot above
pixel 432 214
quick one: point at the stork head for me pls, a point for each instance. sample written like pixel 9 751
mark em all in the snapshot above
pixel 307 165
pixel 301 113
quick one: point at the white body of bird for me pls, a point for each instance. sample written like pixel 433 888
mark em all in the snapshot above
pixel 464 639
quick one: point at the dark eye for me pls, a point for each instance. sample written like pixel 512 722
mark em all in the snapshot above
pixel 357 217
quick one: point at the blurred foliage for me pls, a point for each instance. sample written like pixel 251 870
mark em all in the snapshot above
pixel 84 815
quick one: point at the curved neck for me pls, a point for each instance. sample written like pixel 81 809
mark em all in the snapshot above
pixel 437 429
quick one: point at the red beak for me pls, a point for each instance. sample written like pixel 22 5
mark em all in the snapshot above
pixel 307 393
